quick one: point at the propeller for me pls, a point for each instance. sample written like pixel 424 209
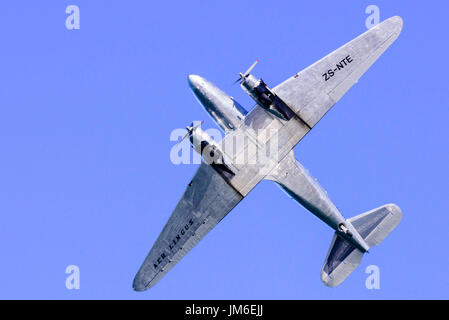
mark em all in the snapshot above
pixel 244 75
pixel 190 130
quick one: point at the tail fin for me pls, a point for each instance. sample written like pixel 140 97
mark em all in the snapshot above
pixel 342 257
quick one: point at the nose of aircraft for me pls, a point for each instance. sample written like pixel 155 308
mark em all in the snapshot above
pixel 195 81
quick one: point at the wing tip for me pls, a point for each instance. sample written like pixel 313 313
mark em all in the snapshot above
pixel 397 23
pixel 138 285
pixel 141 282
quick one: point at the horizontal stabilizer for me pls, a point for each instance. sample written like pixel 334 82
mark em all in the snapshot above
pixel 343 257
pixel 341 260
pixel 376 224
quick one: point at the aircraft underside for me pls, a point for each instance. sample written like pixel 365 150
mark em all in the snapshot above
pixel 258 145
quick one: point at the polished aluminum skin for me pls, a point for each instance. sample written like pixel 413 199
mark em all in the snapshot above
pixel 223 109
pixel 258 145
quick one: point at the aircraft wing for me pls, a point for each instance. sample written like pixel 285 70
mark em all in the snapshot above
pixel 207 199
pixel 313 91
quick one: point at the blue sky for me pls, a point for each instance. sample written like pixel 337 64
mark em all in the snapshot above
pixel 86 177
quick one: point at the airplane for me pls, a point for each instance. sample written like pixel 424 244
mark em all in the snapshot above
pixel 282 116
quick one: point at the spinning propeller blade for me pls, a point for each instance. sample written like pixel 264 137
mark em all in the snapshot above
pixel 250 68
pixel 244 75
pixel 190 130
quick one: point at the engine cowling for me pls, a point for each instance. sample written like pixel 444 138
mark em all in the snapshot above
pixel 264 97
pixel 209 150
pixel 259 91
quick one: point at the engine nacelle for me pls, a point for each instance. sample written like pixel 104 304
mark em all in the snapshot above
pixel 259 91
pixel 209 150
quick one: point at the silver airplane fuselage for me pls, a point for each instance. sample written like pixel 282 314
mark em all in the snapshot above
pixel 224 110
pixel 259 144
pixel 249 135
